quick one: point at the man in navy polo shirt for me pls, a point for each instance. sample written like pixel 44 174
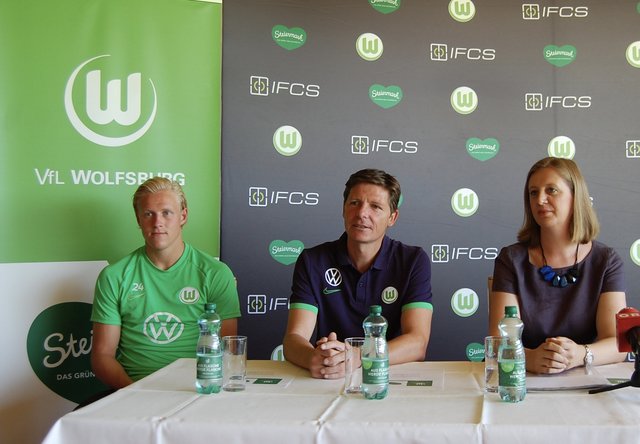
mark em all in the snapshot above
pixel 335 283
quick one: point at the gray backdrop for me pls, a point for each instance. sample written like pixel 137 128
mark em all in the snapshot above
pixel 322 89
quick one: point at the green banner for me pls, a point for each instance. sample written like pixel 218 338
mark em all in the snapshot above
pixel 95 97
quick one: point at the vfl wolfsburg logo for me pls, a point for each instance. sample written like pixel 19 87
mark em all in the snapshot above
pixel 464 202
pixel 462 10
pixel 288 39
pixel 385 6
pixel 465 302
pixel 562 147
pixel 633 53
pixel 285 252
pixel 389 295
pixel 369 47
pixel 464 100
pixel 189 295
pixel 287 140
pixel 163 327
pixel 106 120
pixel 385 96
pixel 634 252
pixel 559 55
pixel 483 149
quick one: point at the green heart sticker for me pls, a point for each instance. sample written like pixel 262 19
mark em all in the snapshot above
pixel 287 38
pixel 385 6
pixel 385 96
pixel 559 55
pixel 483 149
pixel 285 252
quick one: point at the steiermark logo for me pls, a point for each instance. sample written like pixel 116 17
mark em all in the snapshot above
pixel 285 252
pixel 475 352
pixel 559 55
pixel 634 252
pixel 483 149
pixel 106 120
pixel 389 295
pixel 562 147
pixel 385 96
pixel 288 39
pixel 465 302
pixel 189 295
pixel 287 140
pixel 464 202
pixel 633 54
pixel 385 6
pixel 59 345
pixel 462 10
pixel 369 46
pixel 464 100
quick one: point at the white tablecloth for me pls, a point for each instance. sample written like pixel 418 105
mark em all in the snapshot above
pixel 164 408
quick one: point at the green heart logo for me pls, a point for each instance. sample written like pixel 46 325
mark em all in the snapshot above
pixel 385 96
pixel 559 55
pixel 285 252
pixel 385 6
pixel 287 38
pixel 483 149
pixel 367 364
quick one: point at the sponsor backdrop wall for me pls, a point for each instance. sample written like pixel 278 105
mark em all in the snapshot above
pixel 95 97
pixel 457 99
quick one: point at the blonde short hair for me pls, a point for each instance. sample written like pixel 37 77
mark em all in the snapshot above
pixel 155 185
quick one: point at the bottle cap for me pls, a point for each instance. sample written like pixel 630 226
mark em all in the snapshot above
pixel 511 310
pixel 375 309
pixel 209 306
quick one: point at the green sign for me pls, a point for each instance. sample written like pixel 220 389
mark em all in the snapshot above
pixel 59 349
pixel 288 39
pixel 559 55
pixel 385 96
pixel 80 136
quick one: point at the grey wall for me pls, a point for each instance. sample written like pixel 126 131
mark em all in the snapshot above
pixel 322 89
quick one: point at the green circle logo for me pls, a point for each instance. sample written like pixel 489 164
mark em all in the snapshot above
pixel 633 54
pixel 465 302
pixel 634 252
pixel 475 352
pixel 59 348
pixel 507 367
pixel 464 100
pixel 562 147
pixel 369 47
pixel 287 140
pixel 462 10
pixel 464 202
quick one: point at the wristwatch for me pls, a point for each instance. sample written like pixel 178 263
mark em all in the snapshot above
pixel 588 356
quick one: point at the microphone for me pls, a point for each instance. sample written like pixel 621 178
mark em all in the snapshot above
pixel 628 330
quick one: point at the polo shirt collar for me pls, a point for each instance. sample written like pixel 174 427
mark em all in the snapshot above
pixel 380 261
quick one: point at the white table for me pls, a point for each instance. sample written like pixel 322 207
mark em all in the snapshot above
pixel 164 408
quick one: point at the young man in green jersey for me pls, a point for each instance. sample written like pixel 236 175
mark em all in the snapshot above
pixel 147 304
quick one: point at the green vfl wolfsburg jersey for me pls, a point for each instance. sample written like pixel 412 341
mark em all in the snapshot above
pixel 157 310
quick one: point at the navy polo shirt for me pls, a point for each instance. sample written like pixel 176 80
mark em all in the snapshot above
pixel 325 282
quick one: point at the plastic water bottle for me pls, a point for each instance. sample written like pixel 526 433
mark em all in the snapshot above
pixel 375 355
pixel 209 352
pixel 511 360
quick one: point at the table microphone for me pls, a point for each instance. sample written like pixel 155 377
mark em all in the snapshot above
pixel 628 330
